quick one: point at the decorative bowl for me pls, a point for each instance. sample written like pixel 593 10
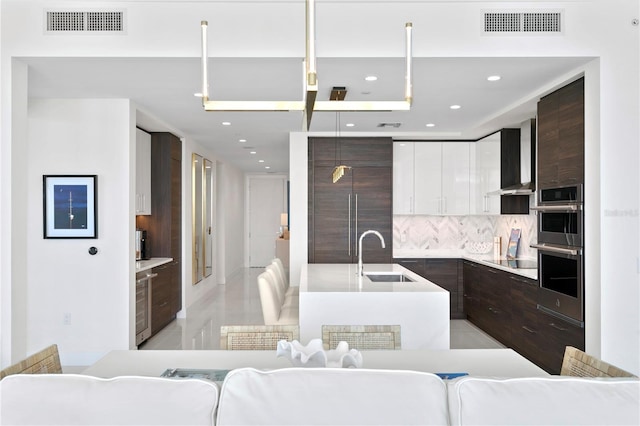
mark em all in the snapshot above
pixel 314 355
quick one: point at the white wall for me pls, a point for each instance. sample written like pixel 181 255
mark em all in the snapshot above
pixel 86 136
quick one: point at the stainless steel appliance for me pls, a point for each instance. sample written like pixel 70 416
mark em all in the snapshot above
pixel 560 253
pixel 141 244
pixel 143 305
pixel 560 216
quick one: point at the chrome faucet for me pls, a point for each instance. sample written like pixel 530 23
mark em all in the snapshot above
pixel 360 267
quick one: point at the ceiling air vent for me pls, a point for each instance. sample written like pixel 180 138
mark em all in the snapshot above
pixel 519 22
pixel 84 22
pixel 394 125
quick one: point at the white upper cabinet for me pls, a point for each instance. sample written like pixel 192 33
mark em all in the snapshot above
pixel 486 176
pixel 403 177
pixel 431 178
pixel 143 173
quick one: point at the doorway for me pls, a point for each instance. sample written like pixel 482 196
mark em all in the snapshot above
pixel 266 200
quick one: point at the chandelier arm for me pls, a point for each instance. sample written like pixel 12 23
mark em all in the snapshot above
pixel 204 62
pixel 408 90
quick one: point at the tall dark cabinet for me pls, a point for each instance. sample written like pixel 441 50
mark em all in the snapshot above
pixel 165 227
pixel 561 137
pixel 361 200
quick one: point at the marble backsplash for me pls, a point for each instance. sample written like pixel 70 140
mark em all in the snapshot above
pixel 456 232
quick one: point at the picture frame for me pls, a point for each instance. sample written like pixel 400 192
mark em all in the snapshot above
pixel 70 206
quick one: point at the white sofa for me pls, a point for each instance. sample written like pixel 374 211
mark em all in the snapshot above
pixel 319 396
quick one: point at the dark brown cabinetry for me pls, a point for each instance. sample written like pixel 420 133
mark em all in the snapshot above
pixel 164 227
pixel 446 273
pixel 504 305
pixel 510 172
pixel 561 137
pixel 361 200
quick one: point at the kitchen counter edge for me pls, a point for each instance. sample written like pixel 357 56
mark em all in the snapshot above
pixel 145 265
pixel 482 259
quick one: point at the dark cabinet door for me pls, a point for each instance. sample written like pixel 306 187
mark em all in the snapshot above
pixel 472 295
pixel 161 314
pixel 561 137
pixel 444 273
pixel 414 265
pixel 555 336
pixel 372 211
pixel 525 331
pixel 361 200
pixel 330 233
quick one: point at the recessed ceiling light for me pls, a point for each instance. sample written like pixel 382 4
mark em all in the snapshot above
pixel 267 167
pixel 494 78
pixel 455 107
pixel 431 125
pixel 260 161
pixel 371 78
pixel 350 125
pixel 197 95
pixel 253 152
pixel 242 140
pixel 226 123
pixel 402 144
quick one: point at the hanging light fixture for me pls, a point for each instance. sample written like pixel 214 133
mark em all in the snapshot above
pixel 308 104
pixel 340 169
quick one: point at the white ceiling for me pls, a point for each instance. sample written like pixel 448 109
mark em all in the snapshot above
pixel 164 89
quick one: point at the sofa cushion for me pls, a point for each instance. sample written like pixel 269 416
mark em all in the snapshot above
pixel 544 401
pixel 70 399
pixel 323 396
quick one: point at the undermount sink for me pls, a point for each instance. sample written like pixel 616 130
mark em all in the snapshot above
pixel 393 278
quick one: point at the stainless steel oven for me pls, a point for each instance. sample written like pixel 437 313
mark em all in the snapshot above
pixel 560 276
pixel 560 216
pixel 560 253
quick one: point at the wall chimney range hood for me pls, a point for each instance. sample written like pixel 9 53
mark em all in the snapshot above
pixel 525 155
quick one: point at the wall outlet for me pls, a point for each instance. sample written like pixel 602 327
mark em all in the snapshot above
pixel 66 320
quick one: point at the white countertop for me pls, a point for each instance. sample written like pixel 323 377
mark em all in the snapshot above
pixel 144 265
pixel 334 277
pixel 476 362
pixel 483 259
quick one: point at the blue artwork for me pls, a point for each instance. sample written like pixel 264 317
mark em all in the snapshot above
pixel 70 207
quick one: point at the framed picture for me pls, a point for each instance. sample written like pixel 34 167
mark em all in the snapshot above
pixel 514 239
pixel 70 206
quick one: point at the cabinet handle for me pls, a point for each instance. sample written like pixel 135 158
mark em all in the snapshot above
pixel 349 224
pixel 163 305
pixel 444 204
pixel 408 261
pixel 492 271
pixel 557 327
pixel 494 311
pixel 527 329
pixel 357 254
pixel 410 204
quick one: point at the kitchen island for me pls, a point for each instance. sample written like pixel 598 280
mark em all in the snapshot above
pixel 333 294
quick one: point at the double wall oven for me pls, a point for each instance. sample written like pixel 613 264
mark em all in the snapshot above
pixel 560 252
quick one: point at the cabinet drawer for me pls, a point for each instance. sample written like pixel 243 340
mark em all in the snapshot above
pixel 555 336
pixel 414 265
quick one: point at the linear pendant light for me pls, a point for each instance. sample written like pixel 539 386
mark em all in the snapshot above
pixel 310 79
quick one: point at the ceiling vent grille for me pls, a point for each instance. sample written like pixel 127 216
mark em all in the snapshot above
pixel 87 21
pixel 515 22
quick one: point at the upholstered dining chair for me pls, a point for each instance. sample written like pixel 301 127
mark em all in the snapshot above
pixel 47 361
pixel 256 337
pixel 362 337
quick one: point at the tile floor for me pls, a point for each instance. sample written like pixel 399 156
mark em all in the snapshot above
pixel 238 303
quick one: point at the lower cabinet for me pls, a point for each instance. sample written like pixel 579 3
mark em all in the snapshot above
pixel 446 273
pixel 162 298
pixel 504 306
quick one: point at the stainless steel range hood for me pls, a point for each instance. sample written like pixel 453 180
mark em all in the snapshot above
pixel 527 162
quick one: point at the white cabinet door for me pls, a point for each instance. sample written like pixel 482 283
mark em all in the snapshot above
pixel 455 178
pixel 428 178
pixel 487 176
pixel 143 173
pixel 403 177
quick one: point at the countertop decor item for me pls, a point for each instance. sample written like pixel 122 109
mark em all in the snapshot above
pixel 514 239
pixel 314 355
pixel 479 247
